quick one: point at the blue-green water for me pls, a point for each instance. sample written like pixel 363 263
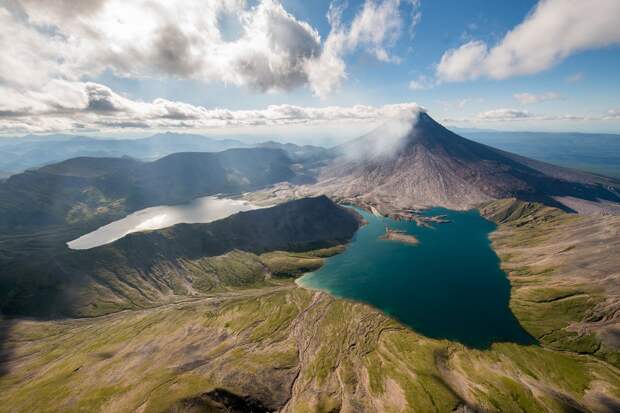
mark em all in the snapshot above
pixel 448 286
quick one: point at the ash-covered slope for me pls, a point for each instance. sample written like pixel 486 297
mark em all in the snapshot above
pixel 428 165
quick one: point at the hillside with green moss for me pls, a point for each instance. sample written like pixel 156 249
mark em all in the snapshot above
pixel 265 344
pixel 564 271
pixel 288 349
pixel 94 191
pixel 151 268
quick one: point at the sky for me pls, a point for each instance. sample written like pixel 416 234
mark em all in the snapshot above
pixel 306 69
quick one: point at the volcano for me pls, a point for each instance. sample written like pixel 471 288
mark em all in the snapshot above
pixel 423 164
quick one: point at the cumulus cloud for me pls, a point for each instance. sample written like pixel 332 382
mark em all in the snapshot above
pixel 530 98
pixel 554 30
pixel 515 115
pixel 464 63
pixel 49 48
pixel 271 51
pixel 421 83
pixel 376 28
pixel 88 105
pixel 504 114
pixel 158 38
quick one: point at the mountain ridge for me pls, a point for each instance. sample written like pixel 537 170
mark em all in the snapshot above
pixel 432 166
pixel 71 192
pixel 150 268
pixel 32 151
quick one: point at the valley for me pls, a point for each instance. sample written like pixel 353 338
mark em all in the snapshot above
pixel 286 348
pixel 210 316
pixel 286 206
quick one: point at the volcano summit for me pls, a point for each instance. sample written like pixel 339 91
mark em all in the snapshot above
pixel 428 165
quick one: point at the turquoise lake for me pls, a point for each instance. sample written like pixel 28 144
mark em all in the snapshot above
pixel 448 286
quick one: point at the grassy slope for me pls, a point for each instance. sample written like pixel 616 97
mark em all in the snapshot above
pixel 263 343
pixel 288 347
pixel 85 191
pixel 564 274
pixel 151 268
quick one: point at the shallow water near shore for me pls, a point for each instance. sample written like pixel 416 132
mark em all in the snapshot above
pixel 449 286
pixel 200 210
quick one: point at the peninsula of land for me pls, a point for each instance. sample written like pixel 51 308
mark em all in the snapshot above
pixel 398 235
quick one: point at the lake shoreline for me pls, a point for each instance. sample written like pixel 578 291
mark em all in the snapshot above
pixel 399 236
pixel 200 210
pixel 420 287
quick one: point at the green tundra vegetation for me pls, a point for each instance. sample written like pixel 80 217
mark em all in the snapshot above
pixel 561 267
pixel 261 341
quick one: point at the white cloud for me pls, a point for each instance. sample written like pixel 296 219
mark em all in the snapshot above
pixel 329 70
pixel 92 106
pixel 49 48
pixel 271 49
pixel 504 114
pixel 160 38
pixel 376 28
pixel 530 98
pixel 464 63
pixel 417 85
pixel 554 30
pixel 421 83
pixel 377 25
pixel 613 114
pixel 459 103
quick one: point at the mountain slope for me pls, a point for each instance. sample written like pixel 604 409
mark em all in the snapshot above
pixel 564 274
pixel 288 350
pixel 431 166
pixel 148 268
pixel 18 154
pixel 103 189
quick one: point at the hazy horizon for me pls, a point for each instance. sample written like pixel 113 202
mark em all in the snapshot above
pixel 299 69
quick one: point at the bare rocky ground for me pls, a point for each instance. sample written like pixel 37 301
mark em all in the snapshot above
pixel 399 236
pixel 431 166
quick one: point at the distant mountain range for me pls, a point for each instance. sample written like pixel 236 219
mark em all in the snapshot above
pixel 593 152
pixel 426 165
pixel 87 189
pixel 597 153
pixel 19 154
